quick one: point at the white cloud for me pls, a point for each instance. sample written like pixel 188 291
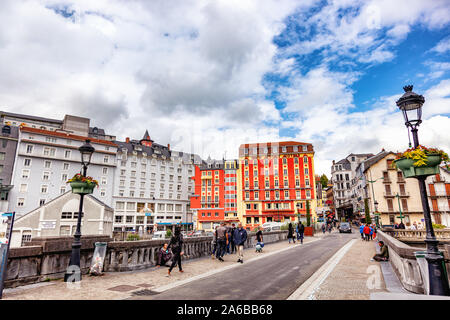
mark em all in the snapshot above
pixel 443 46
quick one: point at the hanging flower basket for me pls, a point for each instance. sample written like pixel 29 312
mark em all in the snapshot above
pixel 82 185
pixel 420 161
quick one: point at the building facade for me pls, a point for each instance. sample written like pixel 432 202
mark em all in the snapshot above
pixel 59 217
pixel 45 160
pixel 438 189
pixel 276 179
pixel 8 145
pixel 393 193
pixel 153 186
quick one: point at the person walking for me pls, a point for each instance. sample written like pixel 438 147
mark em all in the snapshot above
pixel 231 239
pixel 240 237
pixel 361 228
pixel 259 237
pixel 401 225
pixel 366 231
pixel 371 233
pixel 323 228
pixel 291 233
pixel 222 240
pixel 301 231
pixel 330 226
pixel 214 243
pixel 176 244
pixel 227 247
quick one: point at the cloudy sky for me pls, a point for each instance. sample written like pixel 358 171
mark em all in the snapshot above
pixel 206 76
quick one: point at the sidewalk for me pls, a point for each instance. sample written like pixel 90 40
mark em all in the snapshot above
pixel 121 285
pixel 348 275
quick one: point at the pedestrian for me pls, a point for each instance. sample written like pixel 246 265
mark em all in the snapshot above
pixel 366 231
pixel 176 244
pixel 259 238
pixel 371 233
pixel 396 226
pixel 330 226
pixel 231 239
pixel 401 225
pixel 414 226
pixel 361 228
pixel 374 228
pixel 240 237
pixel 323 228
pixel 384 253
pixel 222 240
pixel 164 255
pixel 301 231
pixel 291 233
pixel 227 248
pixel 214 243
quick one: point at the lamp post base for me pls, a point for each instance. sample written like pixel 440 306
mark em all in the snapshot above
pixel 73 272
pixel 436 269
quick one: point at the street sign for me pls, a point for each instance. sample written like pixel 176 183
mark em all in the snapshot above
pixel 148 214
pixel 48 224
pixel 7 220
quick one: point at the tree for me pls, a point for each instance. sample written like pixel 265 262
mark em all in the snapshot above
pixel 308 214
pixel 324 180
pixel 366 209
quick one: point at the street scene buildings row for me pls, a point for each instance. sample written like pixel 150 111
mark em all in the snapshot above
pixel 391 198
pixel 147 185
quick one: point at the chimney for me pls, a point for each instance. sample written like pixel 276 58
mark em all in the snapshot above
pixel 168 146
pixel 127 140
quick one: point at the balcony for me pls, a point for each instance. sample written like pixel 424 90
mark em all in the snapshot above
pixel 400 180
pixel 387 180
pixel 434 180
pixel 439 194
pixel 403 194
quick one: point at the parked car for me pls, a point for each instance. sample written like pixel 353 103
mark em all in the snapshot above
pixel 345 227
pixel 272 226
pixel 159 235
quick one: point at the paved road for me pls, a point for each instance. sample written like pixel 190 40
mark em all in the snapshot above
pixel 275 277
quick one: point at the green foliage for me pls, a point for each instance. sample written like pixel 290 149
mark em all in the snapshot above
pixel 438 226
pixel 308 214
pixel 133 237
pixel 285 226
pixel 168 233
pixel 324 180
pixel 366 209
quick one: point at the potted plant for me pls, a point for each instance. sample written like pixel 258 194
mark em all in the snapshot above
pixel 82 185
pixel 420 161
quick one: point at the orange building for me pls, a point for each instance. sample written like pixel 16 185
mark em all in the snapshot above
pixel 276 180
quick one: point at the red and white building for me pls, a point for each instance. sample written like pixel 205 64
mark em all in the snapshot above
pixel 438 189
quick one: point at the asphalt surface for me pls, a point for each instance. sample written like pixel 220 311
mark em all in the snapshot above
pixel 275 277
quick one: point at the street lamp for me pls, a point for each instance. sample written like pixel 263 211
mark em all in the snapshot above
pixel 411 106
pixel 73 273
pixel 375 202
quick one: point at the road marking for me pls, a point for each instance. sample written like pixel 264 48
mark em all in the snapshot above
pixel 307 289
pixel 212 272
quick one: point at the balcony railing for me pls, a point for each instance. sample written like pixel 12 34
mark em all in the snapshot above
pixel 388 194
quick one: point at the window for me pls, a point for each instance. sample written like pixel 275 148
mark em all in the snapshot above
pixel 23 187
pixel 297 194
pixel 105 159
pixel 295 149
pixel 130 219
pixel 47 164
pixel 45 176
pixel 49 152
pixel 62 190
pixel 25 238
pixel 66 215
pixel 67 154
pixel 64 177
pixel 105 171
pixel 64 230
pixel 27 162
pixel 118 219
pixel 44 188
pixel 65 166
pixel 20 202
pixel 306 171
pixel 25 174
pixel 29 149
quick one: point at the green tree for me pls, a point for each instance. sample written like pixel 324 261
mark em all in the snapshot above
pixel 168 233
pixel 308 214
pixel 324 180
pixel 366 209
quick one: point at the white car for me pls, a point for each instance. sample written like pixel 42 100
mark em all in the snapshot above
pixel 272 226
pixel 159 235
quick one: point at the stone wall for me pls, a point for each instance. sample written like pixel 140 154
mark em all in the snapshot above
pixel 404 263
pixel 48 258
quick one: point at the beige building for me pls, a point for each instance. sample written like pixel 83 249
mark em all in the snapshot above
pixel 438 189
pixel 393 191
pixel 59 216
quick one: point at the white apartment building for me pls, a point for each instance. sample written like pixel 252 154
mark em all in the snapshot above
pixel 153 186
pixel 46 159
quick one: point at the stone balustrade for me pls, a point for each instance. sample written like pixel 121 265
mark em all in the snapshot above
pixel 443 234
pixel 403 260
pixel 47 258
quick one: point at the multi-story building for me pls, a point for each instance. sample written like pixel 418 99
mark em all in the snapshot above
pixel 46 159
pixel 231 191
pixel 330 197
pixel 9 137
pixel 393 192
pixel 152 186
pixel 275 181
pixel 209 198
pixel 438 189
pixel 342 174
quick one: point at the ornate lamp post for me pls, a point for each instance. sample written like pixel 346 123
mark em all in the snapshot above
pixel 411 106
pixel 73 273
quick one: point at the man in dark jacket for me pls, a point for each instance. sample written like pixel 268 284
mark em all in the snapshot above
pixel 231 239
pixel 401 225
pixel 240 237
pixel 301 231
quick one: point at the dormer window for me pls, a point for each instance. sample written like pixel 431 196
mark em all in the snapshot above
pixel 6 129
